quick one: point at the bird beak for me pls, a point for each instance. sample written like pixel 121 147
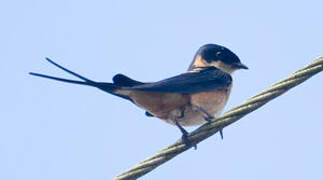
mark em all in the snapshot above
pixel 240 66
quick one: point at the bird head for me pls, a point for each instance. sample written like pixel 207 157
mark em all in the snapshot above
pixel 217 56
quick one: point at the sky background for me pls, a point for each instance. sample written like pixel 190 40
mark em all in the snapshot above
pixel 51 130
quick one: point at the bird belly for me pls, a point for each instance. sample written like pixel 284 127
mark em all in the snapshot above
pixel 161 105
pixel 171 106
pixel 190 117
pixel 211 101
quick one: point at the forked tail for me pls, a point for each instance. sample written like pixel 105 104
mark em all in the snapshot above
pixel 107 87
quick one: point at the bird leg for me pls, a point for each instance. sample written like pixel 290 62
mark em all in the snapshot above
pixel 185 140
pixel 176 114
pixel 208 117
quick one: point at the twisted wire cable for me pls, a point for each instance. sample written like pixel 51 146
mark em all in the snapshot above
pixel 226 119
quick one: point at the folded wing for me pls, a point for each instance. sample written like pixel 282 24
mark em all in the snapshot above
pixel 198 80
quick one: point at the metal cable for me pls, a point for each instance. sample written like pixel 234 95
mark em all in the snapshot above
pixel 226 119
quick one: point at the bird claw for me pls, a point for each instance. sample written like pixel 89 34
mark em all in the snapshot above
pixel 221 133
pixel 185 139
pixel 208 118
pixel 187 142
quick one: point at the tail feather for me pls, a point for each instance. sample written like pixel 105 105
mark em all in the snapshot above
pixel 107 87
pixel 59 79
pixel 68 71
pixel 123 80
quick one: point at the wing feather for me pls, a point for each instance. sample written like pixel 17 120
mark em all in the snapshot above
pixel 203 79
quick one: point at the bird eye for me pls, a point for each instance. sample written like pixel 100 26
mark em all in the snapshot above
pixel 218 53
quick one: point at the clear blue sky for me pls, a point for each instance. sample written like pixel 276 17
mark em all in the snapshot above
pixel 51 130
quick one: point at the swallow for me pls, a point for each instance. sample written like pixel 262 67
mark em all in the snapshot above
pixel 188 99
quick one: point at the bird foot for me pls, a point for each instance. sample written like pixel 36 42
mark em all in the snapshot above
pixel 221 133
pixel 187 142
pixel 208 118
pixel 185 139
